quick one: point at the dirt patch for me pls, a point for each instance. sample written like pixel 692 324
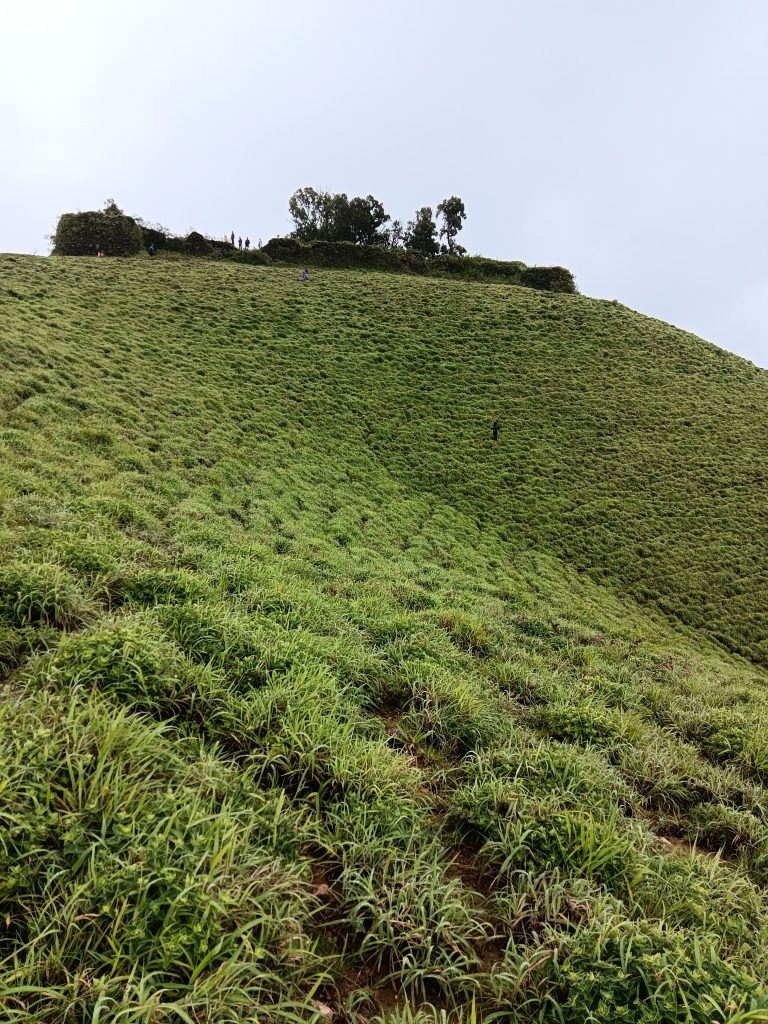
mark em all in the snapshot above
pixel 677 846
pixel 464 867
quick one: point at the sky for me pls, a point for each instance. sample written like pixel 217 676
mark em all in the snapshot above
pixel 623 139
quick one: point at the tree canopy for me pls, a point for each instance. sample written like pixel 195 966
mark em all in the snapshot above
pixel 421 233
pixel 333 217
pixel 319 215
pixel 452 213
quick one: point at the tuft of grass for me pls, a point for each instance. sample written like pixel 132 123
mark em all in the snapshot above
pixel 40 594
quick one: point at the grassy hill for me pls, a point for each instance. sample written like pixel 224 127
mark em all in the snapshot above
pixel 318 700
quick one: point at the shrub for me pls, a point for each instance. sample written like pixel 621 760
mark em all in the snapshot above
pixel 551 279
pixel 284 249
pixel 80 234
pixel 253 257
pixel 474 268
pixel 197 245
pixel 478 268
pixel 153 236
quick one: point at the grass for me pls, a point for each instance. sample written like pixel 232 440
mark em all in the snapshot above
pixel 314 697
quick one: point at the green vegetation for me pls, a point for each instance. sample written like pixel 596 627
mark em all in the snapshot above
pixel 421 233
pixel 314 696
pixel 334 217
pixel 331 231
pixel 82 234
pixel 349 256
pixel 453 216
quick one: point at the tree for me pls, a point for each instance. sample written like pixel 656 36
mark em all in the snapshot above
pixel 395 236
pixel 453 215
pixel 311 213
pixel 333 217
pixel 421 233
pixel 366 218
pixel 337 226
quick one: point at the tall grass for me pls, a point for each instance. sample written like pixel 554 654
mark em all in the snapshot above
pixel 317 700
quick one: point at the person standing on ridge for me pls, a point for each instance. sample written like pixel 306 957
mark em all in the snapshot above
pixel 247 243
pixel 232 239
pixel 240 242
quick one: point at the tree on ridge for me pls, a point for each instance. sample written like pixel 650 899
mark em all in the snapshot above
pixel 421 233
pixel 453 215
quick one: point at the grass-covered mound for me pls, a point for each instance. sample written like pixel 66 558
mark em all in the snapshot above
pixel 303 708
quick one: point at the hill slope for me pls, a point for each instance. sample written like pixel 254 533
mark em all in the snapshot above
pixel 307 698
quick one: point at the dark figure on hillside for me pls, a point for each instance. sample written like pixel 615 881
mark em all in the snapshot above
pixel 247 243
pixel 151 248
pixel 240 243
pixel 232 238
pixel 305 275
pixel 496 428
pixel 99 250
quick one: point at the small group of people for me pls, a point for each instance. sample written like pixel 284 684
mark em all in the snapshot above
pixel 240 243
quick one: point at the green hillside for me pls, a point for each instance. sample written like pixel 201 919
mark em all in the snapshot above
pixel 318 700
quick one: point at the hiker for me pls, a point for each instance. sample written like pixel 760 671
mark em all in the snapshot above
pixel 99 250
pixel 232 239
pixel 240 243
pixel 305 275
pixel 151 248
pixel 496 428
pixel 247 243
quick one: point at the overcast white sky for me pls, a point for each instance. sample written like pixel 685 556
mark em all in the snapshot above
pixel 624 139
